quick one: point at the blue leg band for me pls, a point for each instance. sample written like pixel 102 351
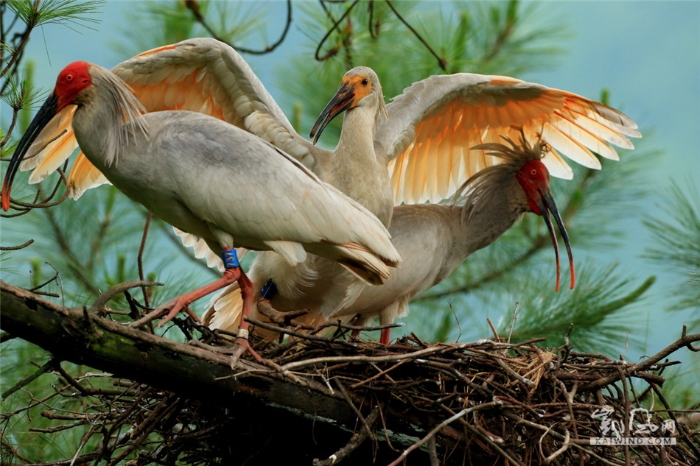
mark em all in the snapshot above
pixel 230 259
pixel 269 290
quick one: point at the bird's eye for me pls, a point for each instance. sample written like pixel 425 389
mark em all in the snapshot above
pixel 533 172
pixel 69 77
pixel 365 82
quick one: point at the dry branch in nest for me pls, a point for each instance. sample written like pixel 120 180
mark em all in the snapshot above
pixel 328 401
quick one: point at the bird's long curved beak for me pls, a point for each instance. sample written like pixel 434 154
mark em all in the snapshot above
pixel 549 207
pixel 42 118
pixel 340 102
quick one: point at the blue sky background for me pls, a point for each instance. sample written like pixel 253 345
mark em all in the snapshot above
pixel 646 52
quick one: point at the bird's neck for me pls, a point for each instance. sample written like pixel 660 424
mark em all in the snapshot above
pixel 96 125
pixel 492 216
pixel 357 170
pixel 99 125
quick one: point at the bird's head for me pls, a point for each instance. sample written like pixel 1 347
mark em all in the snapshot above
pixel 80 84
pixel 525 162
pixel 70 84
pixel 360 88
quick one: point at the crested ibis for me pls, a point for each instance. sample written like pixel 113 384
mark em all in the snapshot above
pixel 213 180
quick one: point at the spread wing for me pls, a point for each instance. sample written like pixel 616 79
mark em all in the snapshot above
pixel 434 123
pixel 201 75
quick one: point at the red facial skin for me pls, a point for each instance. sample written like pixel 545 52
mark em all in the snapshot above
pixel 534 178
pixel 350 93
pixel 71 81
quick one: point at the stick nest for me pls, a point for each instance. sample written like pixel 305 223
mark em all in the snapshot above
pixel 488 402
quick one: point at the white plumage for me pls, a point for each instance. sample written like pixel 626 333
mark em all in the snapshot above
pixel 420 151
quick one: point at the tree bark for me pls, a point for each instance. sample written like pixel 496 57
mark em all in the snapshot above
pixel 81 337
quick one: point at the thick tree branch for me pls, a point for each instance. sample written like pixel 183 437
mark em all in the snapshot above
pixel 157 361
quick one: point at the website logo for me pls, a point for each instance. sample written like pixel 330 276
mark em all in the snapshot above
pixel 641 428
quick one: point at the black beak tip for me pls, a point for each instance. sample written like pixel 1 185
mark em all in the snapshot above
pixel 47 111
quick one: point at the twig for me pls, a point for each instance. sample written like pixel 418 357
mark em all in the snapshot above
pixel 393 357
pixel 459 326
pixel 684 341
pixel 561 450
pixel 102 300
pixel 442 62
pixel 443 424
pixel 512 322
pixel 46 202
pixel 355 410
pixel 377 375
pixel 355 441
pixel 335 26
pixel 30 378
pixel 527 382
pixel 432 452
pixel 272 47
pixel 60 428
pixel 305 336
pixel 41 285
pixel 493 330
pixel 16 248
pixel 139 258
pixel 193 6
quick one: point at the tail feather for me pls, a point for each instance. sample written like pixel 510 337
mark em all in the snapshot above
pixel 358 260
pixel 225 309
pixel 388 261
pixel 292 252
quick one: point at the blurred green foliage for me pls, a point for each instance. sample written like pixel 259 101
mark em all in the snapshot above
pixel 92 244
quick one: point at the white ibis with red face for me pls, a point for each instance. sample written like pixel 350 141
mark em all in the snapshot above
pixel 212 180
pixel 434 239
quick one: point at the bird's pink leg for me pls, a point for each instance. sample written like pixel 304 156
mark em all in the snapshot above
pixel 182 302
pixel 232 273
pixel 247 293
pixel 385 337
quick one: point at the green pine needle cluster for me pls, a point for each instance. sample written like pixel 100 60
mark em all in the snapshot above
pixel 677 244
pixel 68 13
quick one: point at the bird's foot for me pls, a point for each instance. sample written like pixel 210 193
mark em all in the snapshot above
pixel 278 317
pixel 175 305
pixel 242 345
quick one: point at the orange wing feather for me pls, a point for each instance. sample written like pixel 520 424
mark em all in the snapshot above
pixel 484 109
